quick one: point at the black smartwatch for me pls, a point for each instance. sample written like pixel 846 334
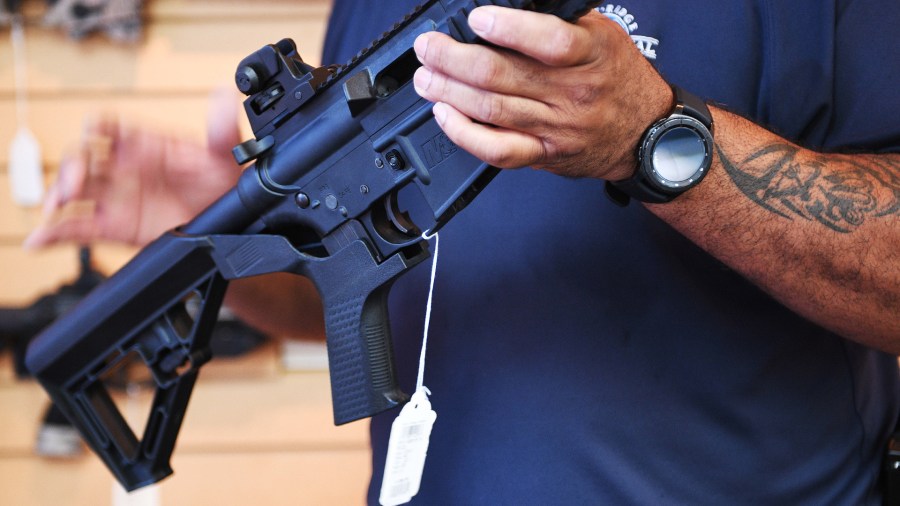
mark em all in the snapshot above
pixel 674 155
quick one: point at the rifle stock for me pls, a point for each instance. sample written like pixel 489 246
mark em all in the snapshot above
pixel 333 147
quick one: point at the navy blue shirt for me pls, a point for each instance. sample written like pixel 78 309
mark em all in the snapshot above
pixel 585 354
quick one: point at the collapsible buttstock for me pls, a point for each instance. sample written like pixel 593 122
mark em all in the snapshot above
pixel 140 314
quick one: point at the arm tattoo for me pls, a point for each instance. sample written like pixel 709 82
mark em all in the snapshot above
pixel 840 193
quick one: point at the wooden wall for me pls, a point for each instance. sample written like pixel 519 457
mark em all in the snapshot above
pixel 189 48
pixel 255 433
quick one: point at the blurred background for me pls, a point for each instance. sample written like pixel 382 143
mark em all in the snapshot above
pixel 258 429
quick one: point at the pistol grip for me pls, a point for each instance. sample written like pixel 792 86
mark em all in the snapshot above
pixel 354 290
pixel 363 377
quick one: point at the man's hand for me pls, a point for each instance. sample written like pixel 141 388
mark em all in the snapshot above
pixel 571 98
pixel 129 184
pixel 576 98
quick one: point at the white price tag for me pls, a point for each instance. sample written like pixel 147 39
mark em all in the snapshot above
pixel 407 448
pixel 411 430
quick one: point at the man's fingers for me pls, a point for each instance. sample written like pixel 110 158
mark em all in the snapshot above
pixel 524 71
pixel 508 111
pixel 544 37
pixel 70 180
pixel 500 147
pixel 485 67
pixel 104 125
pixel 74 222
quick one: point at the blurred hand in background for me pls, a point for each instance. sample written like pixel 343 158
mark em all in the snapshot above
pixel 129 183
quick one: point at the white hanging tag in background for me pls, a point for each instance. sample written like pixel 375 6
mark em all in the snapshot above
pixel 25 172
pixel 25 169
pixel 407 447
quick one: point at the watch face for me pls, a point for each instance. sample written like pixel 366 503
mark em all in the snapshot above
pixel 681 152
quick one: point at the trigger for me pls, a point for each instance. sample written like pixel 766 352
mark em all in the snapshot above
pixel 401 220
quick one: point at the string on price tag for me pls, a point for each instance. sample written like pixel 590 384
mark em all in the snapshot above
pixel 411 430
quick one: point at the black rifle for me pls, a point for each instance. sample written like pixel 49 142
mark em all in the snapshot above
pixel 19 325
pixel 333 148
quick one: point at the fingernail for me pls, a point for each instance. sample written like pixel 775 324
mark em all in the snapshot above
pixel 422 80
pixel 481 21
pixel 440 112
pixel 421 46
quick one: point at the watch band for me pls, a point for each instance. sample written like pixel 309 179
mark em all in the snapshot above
pixel 692 106
pixel 621 192
pixel 639 185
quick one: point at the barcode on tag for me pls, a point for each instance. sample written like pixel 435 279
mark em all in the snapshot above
pixel 401 488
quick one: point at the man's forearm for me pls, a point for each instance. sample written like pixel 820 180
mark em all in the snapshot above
pixel 821 233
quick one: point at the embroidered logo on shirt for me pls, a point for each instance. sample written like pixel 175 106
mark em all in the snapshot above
pixel 623 18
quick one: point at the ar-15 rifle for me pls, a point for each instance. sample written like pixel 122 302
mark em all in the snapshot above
pixel 333 148
pixel 18 326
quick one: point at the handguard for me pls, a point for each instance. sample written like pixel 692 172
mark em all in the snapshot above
pixel 333 148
